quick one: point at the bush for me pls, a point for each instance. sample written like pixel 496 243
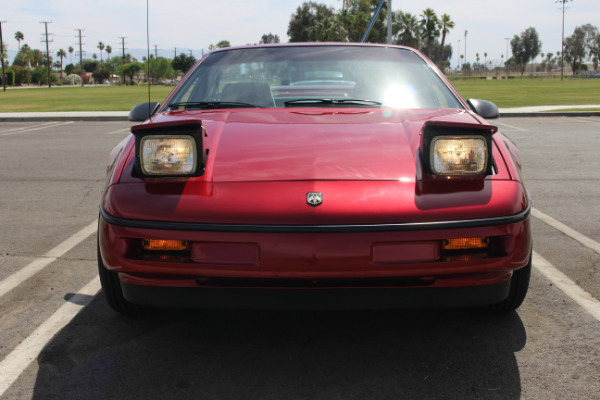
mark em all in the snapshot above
pixel 100 74
pixel 10 78
pixel 39 75
pixel 20 74
pixel 72 79
pixel 69 69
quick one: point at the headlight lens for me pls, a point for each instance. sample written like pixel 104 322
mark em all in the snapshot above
pixel 168 155
pixel 458 155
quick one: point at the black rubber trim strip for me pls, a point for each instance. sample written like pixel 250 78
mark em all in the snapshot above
pixel 412 226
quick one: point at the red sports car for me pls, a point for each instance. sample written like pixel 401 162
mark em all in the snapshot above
pixel 315 175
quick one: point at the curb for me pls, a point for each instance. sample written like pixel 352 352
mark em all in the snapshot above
pixel 113 117
pixel 550 114
pixel 63 118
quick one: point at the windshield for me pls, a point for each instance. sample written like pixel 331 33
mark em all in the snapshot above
pixel 356 76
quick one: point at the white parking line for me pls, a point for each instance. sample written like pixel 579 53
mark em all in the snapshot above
pixel 23 128
pixel 510 126
pixel 568 287
pixel 120 131
pixel 17 131
pixel 39 264
pixel 572 233
pixel 28 350
pixel 590 120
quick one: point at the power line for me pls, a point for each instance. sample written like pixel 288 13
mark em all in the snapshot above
pixel 48 51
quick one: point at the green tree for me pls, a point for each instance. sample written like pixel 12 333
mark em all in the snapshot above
pixel 269 38
pixel 61 53
pixel 575 49
pixel 19 36
pixel 101 48
pixel 183 62
pixel 69 69
pixel 161 68
pixel 327 30
pixel 71 50
pixel 130 70
pixel 108 51
pixel 90 65
pixel 361 12
pixel 409 30
pixel 39 75
pixel 100 74
pixel 445 24
pixel 429 29
pixel 305 18
pixel 525 47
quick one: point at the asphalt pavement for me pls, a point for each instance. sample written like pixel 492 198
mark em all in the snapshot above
pixel 535 111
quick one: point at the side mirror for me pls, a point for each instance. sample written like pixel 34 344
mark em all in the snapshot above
pixel 484 108
pixel 142 112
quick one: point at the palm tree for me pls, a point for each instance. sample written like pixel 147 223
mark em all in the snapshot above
pixel 409 30
pixel 445 25
pixel 430 31
pixel 71 50
pixel 108 51
pixel 326 30
pixel 101 47
pixel 19 36
pixel 61 53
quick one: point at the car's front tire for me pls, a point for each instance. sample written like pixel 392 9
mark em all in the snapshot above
pixel 519 285
pixel 111 286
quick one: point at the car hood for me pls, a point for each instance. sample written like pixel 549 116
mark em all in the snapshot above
pixel 312 144
pixel 262 165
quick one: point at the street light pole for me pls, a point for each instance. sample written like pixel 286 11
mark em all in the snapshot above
pixel 562 50
pixel 506 62
pixel 466 45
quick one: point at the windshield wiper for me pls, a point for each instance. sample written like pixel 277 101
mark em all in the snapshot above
pixel 332 102
pixel 211 105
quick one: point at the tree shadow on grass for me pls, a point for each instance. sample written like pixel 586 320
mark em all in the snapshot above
pixel 283 355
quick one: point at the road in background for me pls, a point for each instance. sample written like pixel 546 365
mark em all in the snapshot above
pixel 51 176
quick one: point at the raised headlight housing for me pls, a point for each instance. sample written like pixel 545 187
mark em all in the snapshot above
pixel 169 149
pixel 458 155
pixel 457 150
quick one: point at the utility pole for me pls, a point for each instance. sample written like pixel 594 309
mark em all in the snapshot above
pixel 155 51
pixel 562 49
pixel 81 56
pixel 175 52
pixel 389 22
pixel 48 52
pixel 123 46
pixel 2 58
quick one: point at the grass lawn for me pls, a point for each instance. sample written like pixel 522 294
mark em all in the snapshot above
pixel 505 93
pixel 87 98
pixel 531 92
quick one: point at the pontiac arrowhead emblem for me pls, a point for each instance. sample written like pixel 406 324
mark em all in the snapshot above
pixel 314 198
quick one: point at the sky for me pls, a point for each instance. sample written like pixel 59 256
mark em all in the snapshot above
pixel 192 25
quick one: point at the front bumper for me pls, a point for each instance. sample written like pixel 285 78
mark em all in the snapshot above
pixel 360 267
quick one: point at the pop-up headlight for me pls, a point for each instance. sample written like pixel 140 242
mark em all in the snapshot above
pixel 457 149
pixel 458 155
pixel 169 149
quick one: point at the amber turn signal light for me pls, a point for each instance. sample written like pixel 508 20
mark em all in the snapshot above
pixel 164 245
pixel 466 243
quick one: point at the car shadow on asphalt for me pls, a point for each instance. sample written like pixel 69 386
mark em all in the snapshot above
pixel 168 354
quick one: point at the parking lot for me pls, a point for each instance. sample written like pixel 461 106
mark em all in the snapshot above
pixel 59 340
